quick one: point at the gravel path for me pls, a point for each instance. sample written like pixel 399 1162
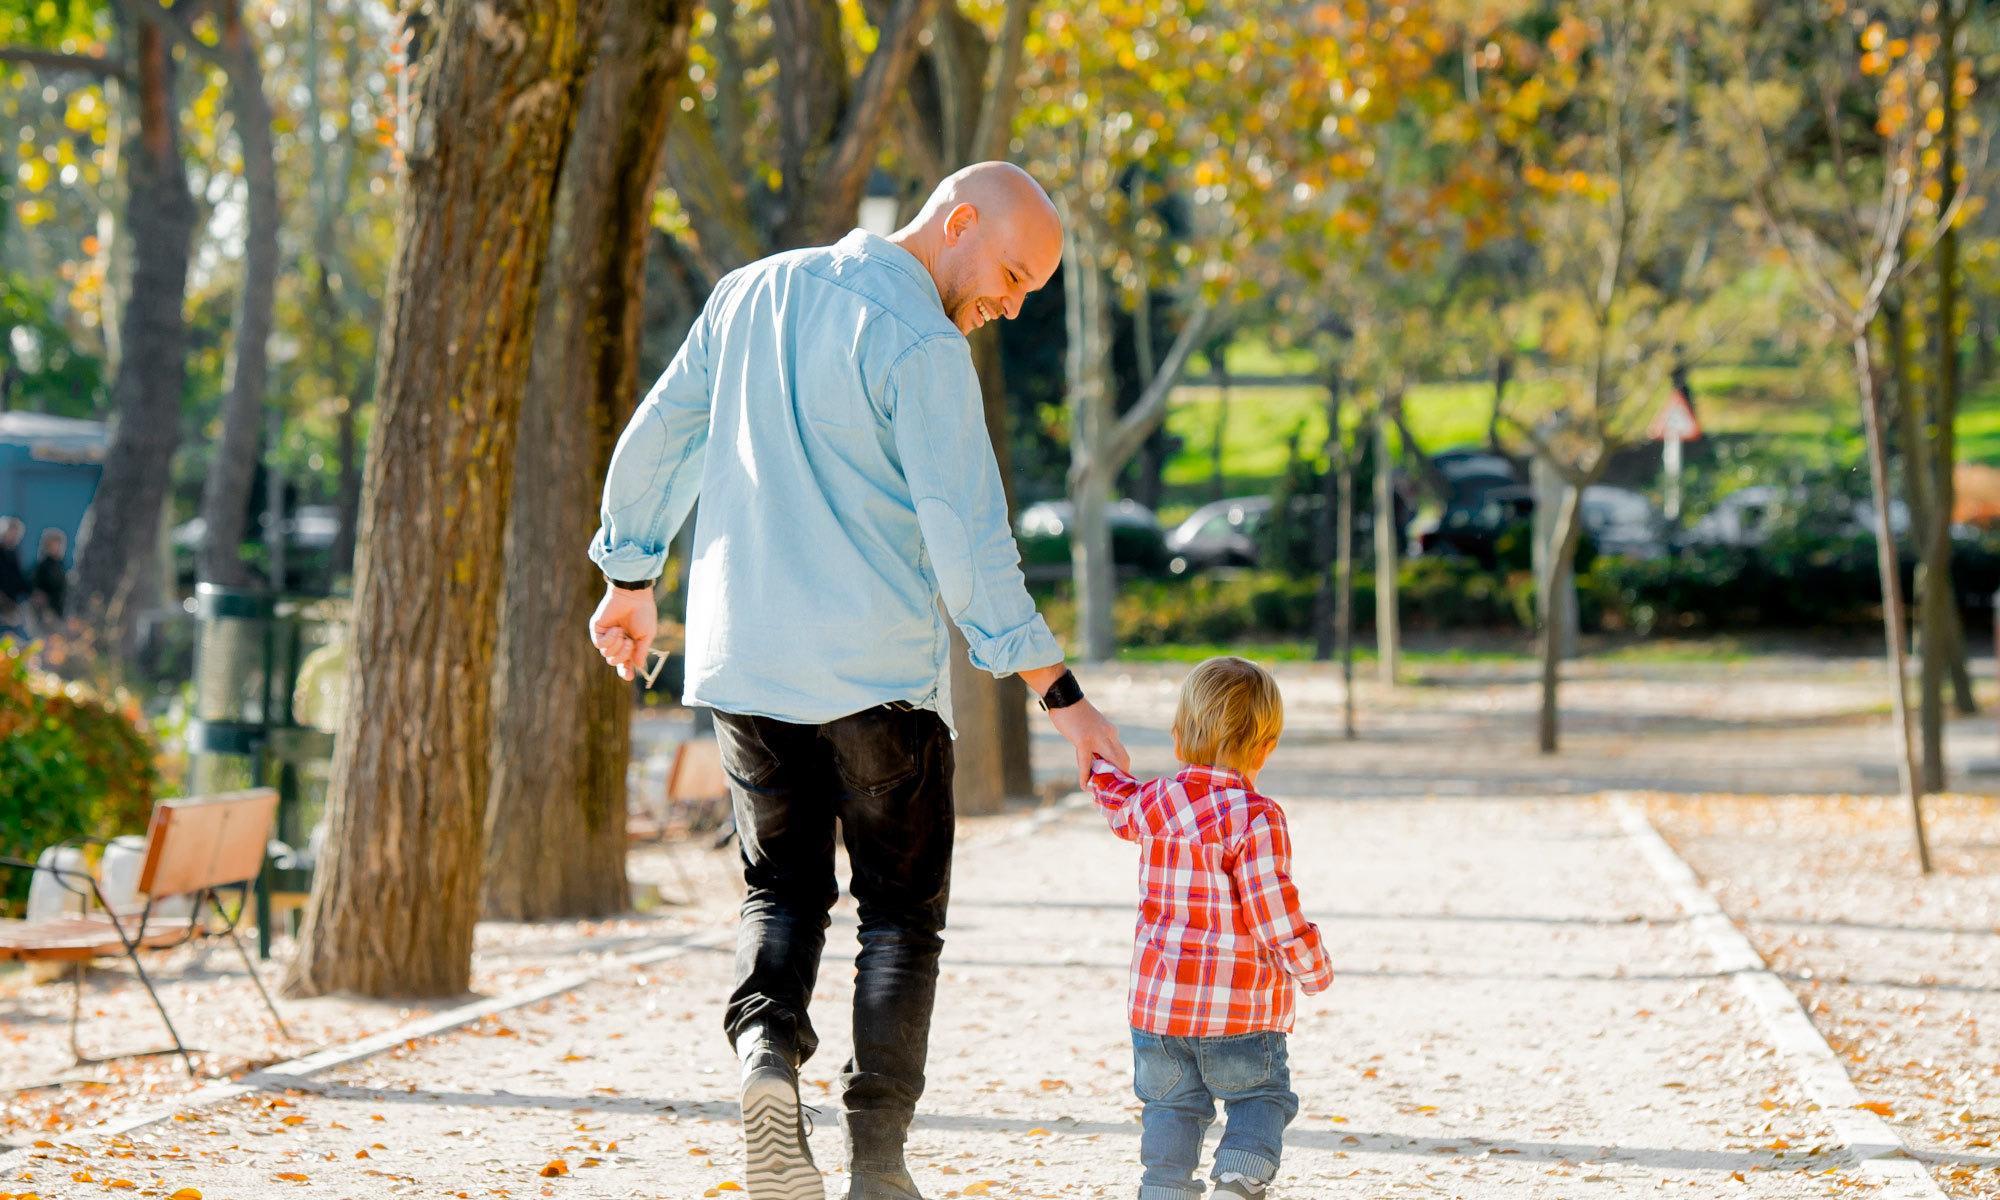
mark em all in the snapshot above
pixel 1520 1013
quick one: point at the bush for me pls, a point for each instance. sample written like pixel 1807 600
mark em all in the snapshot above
pixel 72 762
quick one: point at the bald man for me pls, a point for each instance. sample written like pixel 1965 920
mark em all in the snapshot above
pixel 826 410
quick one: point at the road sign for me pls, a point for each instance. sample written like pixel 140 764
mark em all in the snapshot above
pixel 1676 421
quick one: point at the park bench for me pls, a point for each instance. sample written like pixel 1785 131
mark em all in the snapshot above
pixel 196 848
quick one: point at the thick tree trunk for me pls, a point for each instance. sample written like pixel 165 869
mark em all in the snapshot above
pixel 555 819
pixel 1388 627
pixel 225 496
pixel 118 554
pixel 1893 625
pixel 397 892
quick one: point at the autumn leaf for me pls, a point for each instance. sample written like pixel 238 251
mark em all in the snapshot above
pixel 293 1177
pixel 1877 1107
pixel 186 1194
pixel 555 1168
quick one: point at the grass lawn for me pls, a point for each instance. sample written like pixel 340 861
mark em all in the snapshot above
pixel 1721 649
pixel 1815 410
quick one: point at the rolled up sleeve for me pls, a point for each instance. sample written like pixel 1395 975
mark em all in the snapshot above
pixel 940 434
pixel 656 468
pixel 1270 903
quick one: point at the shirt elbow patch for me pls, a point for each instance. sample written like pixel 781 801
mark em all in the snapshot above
pixel 950 551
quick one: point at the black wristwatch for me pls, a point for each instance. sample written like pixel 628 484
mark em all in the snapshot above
pixel 628 586
pixel 1064 692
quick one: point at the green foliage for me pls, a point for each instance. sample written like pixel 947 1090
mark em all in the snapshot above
pixel 72 762
pixel 46 369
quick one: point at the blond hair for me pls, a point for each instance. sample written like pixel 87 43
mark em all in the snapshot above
pixel 1229 707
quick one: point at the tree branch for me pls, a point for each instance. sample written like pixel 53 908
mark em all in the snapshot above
pixel 1138 424
pixel 1003 93
pixel 881 81
pixel 55 61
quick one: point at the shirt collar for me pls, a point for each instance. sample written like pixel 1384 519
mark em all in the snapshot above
pixel 1213 777
pixel 880 249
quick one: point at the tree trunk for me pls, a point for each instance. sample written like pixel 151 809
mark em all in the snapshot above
pixel 1503 374
pixel 1892 591
pixel 562 722
pixel 118 547
pixel 396 894
pixel 1939 598
pixel 225 494
pixel 1328 531
pixel 1388 631
pixel 1551 490
pixel 992 757
pixel 1219 373
pixel 1555 606
pixel 1090 473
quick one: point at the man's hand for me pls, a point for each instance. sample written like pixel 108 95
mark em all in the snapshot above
pixel 622 628
pixel 1092 736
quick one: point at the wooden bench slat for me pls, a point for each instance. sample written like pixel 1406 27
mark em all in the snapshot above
pixel 67 938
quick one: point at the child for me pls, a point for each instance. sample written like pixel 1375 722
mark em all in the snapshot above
pixel 1220 939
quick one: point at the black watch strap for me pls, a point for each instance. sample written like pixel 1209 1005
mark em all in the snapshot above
pixel 632 586
pixel 1064 692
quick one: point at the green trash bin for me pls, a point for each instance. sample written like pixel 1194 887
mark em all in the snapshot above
pixel 250 650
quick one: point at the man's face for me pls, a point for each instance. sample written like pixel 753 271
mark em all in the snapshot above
pixel 990 266
pixel 10 535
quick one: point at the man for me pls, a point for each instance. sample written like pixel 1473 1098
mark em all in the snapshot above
pixel 14 585
pixel 826 409
pixel 50 582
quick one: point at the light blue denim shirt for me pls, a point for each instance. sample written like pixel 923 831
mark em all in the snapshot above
pixel 828 414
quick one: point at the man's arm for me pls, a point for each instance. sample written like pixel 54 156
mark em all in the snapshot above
pixel 655 473
pixel 940 431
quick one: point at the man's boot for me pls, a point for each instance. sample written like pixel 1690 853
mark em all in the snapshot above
pixel 882 1181
pixel 778 1164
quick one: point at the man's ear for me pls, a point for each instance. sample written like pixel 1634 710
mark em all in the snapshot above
pixel 961 218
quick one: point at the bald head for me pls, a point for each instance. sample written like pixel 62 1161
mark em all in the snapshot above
pixel 989 235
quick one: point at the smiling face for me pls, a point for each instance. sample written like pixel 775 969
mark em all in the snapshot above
pixel 990 262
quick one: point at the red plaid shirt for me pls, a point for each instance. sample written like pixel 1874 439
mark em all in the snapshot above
pixel 1220 937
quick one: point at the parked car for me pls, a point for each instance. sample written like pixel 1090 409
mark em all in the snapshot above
pixel 1747 517
pixel 1138 546
pixel 1473 530
pixel 1623 522
pixel 1222 533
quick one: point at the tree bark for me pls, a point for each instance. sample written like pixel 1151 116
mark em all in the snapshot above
pixel 118 549
pixel 1091 468
pixel 396 895
pixel 555 818
pixel 225 496
pixel 992 759
pixel 1555 606
pixel 1893 627
pixel 1327 530
pixel 1939 599
pixel 1388 628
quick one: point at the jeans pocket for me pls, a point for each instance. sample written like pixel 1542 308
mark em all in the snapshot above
pixel 1239 1063
pixel 878 750
pixel 745 757
pixel 1156 1071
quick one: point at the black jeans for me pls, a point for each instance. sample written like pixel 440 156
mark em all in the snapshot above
pixel 885 775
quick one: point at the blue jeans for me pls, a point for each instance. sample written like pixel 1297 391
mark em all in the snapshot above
pixel 1181 1078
